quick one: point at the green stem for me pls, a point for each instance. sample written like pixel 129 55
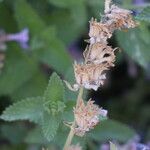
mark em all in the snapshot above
pixel 71 133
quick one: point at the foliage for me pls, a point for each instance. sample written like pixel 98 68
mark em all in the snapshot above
pixel 34 111
pixel 112 130
pixel 144 15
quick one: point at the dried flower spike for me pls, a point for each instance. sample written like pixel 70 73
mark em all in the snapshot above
pixel 87 116
pixel 99 57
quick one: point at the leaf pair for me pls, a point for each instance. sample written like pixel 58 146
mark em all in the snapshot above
pixel 44 110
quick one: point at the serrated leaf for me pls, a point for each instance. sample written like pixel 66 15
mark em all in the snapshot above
pixel 111 130
pixel 135 45
pixel 29 109
pixel 50 125
pixel 112 146
pixel 144 15
pixel 54 95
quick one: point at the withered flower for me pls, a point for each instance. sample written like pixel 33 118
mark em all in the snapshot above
pixel 90 76
pixel 98 53
pixel 87 116
pixel 98 32
pixel 119 18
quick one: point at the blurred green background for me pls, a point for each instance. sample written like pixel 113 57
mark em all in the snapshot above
pixel 57 30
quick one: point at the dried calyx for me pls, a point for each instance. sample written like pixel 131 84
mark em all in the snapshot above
pixel 87 116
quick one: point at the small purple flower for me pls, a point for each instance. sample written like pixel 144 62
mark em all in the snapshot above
pixel 21 37
pixel 138 2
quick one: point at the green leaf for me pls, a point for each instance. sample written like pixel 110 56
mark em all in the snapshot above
pixel 32 88
pixel 69 16
pixel 26 16
pixel 65 3
pixel 68 112
pixel 135 44
pixel 8 24
pixel 51 50
pixel 18 69
pixel 96 6
pixel 35 136
pixel 54 95
pixel 18 130
pixel 111 130
pixel 29 109
pixel 112 146
pixel 50 125
pixel 144 15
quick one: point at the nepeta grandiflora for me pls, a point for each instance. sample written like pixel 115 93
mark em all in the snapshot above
pixel 99 57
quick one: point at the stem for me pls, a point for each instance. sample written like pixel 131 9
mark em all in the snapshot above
pixel 71 133
pixel 107 6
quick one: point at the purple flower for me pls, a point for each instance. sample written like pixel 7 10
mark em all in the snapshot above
pixel 139 2
pixel 21 37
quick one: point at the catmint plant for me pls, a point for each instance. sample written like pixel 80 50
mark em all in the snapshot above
pixel 99 57
pixel 47 110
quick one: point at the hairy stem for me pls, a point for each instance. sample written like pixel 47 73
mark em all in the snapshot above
pixel 71 133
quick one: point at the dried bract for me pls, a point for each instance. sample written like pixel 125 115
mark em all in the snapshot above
pixel 90 76
pixel 87 116
pixel 100 53
pixel 119 18
pixel 98 32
